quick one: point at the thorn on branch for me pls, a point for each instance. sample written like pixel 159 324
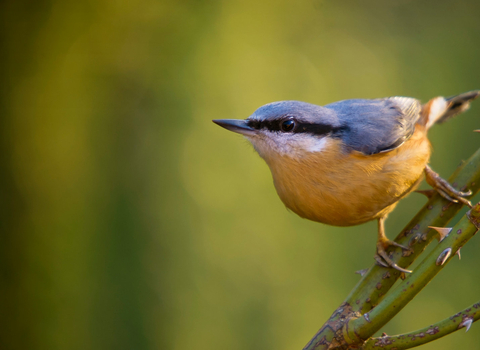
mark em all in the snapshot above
pixel 442 231
pixel 467 322
pixel 362 272
pixel 443 256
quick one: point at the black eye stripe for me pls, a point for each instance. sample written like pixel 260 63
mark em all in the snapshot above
pixel 317 129
pixel 276 125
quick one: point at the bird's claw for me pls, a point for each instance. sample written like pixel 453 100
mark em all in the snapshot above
pixel 382 257
pixel 446 190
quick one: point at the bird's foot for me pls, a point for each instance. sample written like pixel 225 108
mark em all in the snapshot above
pixel 445 189
pixel 382 257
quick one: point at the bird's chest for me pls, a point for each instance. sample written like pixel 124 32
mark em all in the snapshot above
pixel 347 189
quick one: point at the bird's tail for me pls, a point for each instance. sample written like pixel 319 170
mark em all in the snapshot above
pixel 440 109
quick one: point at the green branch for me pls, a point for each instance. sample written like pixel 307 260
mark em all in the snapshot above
pixel 364 327
pixel 462 319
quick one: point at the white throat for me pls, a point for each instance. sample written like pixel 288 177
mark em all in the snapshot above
pixel 293 145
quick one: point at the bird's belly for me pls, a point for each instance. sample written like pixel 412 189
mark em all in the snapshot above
pixel 349 189
pixel 345 207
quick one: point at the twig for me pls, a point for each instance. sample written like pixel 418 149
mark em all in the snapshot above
pixel 462 319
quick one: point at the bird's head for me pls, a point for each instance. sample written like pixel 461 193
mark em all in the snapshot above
pixel 287 128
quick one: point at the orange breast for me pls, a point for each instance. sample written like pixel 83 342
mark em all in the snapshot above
pixel 344 189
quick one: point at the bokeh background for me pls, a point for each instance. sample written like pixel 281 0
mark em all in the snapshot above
pixel 130 221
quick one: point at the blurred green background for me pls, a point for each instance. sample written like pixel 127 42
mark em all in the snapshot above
pixel 131 221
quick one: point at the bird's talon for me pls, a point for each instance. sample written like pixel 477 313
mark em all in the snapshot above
pixel 446 196
pixel 383 243
pixel 384 261
pixel 445 189
pixel 399 245
pixel 380 261
pixel 396 267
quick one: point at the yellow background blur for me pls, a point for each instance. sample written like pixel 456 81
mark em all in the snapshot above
pixel 131 221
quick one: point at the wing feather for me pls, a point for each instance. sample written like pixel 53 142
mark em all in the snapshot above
pixel 375 126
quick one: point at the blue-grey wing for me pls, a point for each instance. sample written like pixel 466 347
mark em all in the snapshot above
pixel 375 126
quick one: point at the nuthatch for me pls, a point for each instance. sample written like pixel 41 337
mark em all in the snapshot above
pixel 351 161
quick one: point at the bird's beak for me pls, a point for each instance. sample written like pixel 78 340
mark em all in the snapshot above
pixel 236 125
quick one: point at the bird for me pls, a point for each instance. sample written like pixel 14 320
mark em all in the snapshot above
pixel 351 161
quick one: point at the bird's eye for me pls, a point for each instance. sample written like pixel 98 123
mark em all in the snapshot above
pixel 288 125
